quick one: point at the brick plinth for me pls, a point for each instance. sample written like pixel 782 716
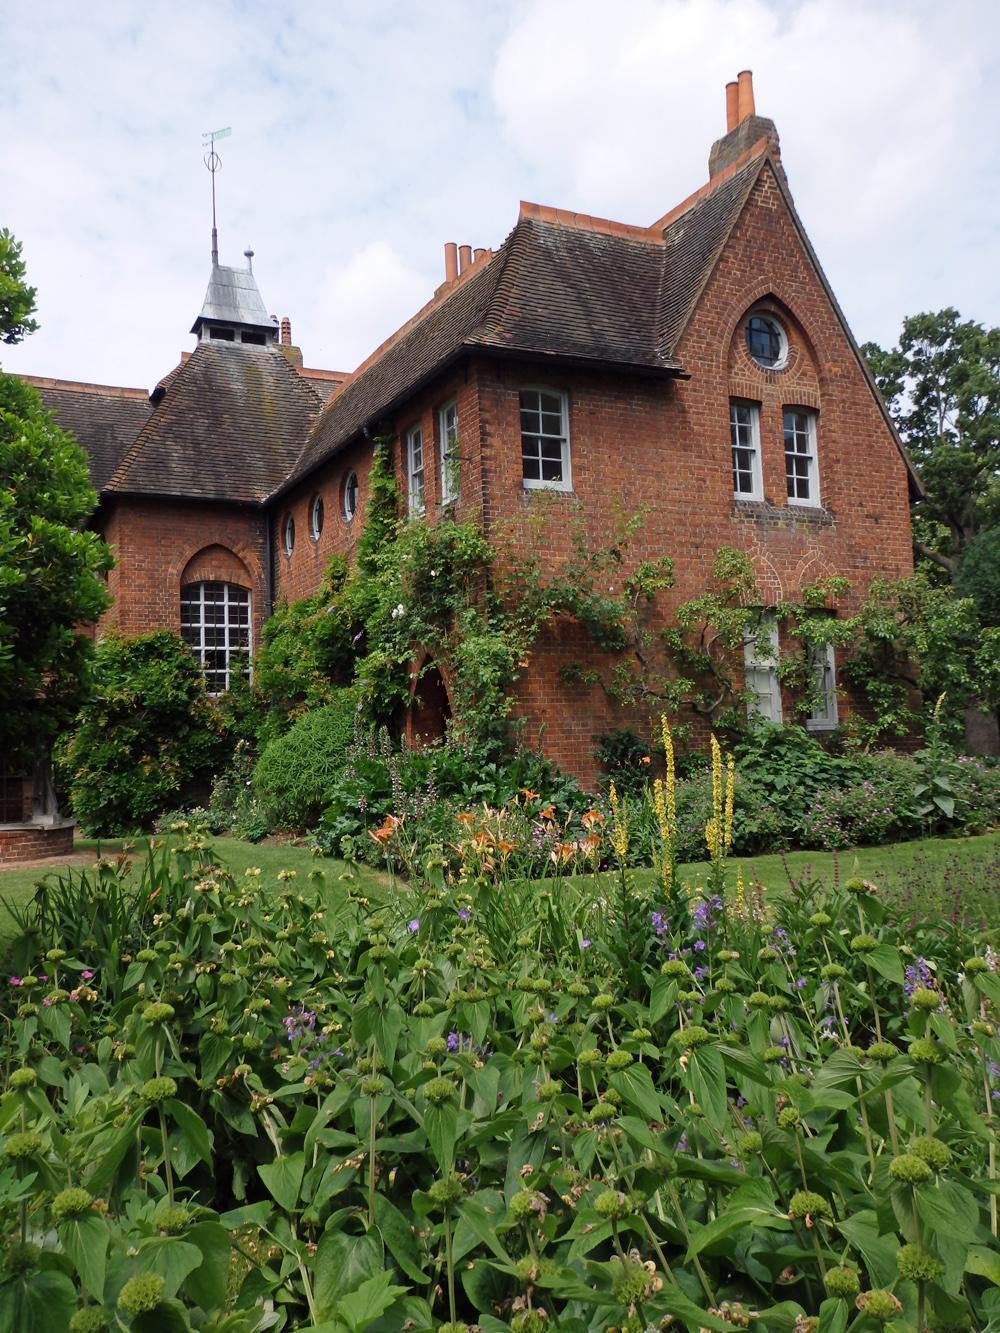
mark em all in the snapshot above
pixel 31 842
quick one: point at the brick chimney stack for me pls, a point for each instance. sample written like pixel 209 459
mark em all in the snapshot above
pixel 286 331
pixel 744 127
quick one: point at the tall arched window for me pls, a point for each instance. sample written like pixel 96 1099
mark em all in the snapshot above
pixel 215 623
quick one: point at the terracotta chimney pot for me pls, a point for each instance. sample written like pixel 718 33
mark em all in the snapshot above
pixel 478 253
pixel 450 261
pixel 732 105
pixel 745 106
pixel 464 257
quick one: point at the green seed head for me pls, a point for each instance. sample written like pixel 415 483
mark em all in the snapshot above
pixel 771 1055
pixel 925 1050
pixel 972 965
pixel 91 1319
pixel 936 1154
pixel 602 1110
pixel 436 1047
pixel 613 1205
pixel 842 1282
pixel 158 1012
pixel 146 956
pixel 855 885
pixel 749 1145
pixel 373 1087
pixel 71 1203
pixel 692 1036
pixel 22 1258
pixel 602 1002
pixel 926 999
pixel 630 1283
pixel 767 955
pixel 447 1192
pixel 578 989
pixel 619 1060
pixel 789 1118
pixel 863 943
pixel 547 1091
pixel 832 972
pixel 641 1034
pixel 157 1090
pixel 422 1010
pixel 807 1203
pixel 173 1219
pixel 725 986
pixel 141 1294
pixel 909 1169
pixel 591 1056
pixel 918 1265
pixel 440 1090
pixel 880 1305
pixel 759 1000
pixel 882 1052
pixel 675 968
pixel 527 1204
pixel 19 1147
pixel 820 919
pixel 23 1078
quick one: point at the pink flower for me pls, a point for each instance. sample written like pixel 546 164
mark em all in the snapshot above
pixel 86 974
pixel 15 981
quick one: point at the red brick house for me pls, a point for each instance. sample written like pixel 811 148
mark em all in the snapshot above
pixel 699 368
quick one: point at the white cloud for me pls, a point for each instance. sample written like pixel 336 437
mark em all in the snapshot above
pixel 364 136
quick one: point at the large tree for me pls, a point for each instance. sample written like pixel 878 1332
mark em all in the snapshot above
pixel 50 565
pixel 942 385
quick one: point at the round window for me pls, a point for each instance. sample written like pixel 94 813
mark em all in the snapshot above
pixel 766 342
pixel 289 535
pixel 350 496
pixel 316 517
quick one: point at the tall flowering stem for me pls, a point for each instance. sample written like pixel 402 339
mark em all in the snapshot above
pixel 719 829
pixel 619 841
pixel 665 811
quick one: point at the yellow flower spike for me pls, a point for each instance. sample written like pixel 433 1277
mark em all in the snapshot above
pixel 671 774
pixel 619 830
pixel 730 791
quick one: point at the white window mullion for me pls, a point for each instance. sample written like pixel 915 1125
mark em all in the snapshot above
pixel 760 671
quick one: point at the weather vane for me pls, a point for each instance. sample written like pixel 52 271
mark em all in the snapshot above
pixel 213 161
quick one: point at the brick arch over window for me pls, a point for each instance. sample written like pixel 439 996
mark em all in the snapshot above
pixel 216 564
pixel 799 380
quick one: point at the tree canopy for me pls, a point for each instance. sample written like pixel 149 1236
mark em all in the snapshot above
pixel 50 567
pixel 942 386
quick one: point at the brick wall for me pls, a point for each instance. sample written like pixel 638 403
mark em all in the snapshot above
pixel 34 842
pixel 159 545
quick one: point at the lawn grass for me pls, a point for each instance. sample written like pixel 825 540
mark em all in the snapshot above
pixel 17 886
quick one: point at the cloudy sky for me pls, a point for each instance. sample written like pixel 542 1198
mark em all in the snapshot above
pixel 366 133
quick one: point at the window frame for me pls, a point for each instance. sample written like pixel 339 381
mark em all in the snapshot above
pixel 451 481
pixel 754 663
pixel 766 317
pixel 756 463
pixel 416 499
pixel 349 515
pixel 565 483
pixel 813 501
pixel 288 535
pixel 823 662
pixel 199 649
pixel 317 517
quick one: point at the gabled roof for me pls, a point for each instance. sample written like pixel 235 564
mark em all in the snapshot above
pixel 562 286
pixel 233 298
pixel 104 419
pixel 229 426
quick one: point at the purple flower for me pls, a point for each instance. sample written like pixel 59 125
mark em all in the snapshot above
pixel 454 1041
pixel 585 944
pixel 464 914
pixel 700 946
pixel 86 974
pixel 800 983
pixel 682 1143
pixel 413 926
pixel 700 972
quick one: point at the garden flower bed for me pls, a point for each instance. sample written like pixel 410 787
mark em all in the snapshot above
pixel 552 1106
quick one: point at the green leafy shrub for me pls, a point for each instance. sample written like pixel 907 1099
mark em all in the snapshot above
pixel 149 739
pixel 296 772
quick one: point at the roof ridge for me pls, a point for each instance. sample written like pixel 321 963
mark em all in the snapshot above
pixel 565 217
pixel 84 386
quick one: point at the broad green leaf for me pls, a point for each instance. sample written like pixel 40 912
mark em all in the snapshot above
pixel 193 1129
pixel 173 1259
pixel 85 1240
pixel 168 1317
pixel 283 1178
pixel 887 962
pixel 38 1302
pixel 833 1316
pixel 206 1285
pixel 341 1264
pixel 878 1251
pixel 101 1178
pixel 441 1128
pixel 398 1238
pixel 984 1263
pixel 480 1214
pixel 706 1077
pixel 948 1210
pixel 362 1307
pixel 736 1219
pixel 636 1087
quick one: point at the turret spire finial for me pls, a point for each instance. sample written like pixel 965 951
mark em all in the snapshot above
pixel 213 161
